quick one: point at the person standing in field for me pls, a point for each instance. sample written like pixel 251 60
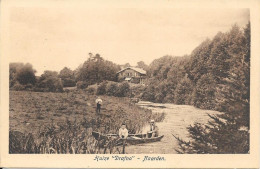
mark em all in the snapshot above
pixel 98 102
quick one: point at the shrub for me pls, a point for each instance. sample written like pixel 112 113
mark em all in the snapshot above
pixel 82 85
pixel 137 90
pixel 50 82
pixel 101 89
pixel 67 82
pixel 92 90
pixel 20 143
pixel 123 89
pixel 18 87
pixel 149 93
pixel 60 139
pixel 111 88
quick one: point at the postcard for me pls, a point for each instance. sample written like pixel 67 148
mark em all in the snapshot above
pixel 130 84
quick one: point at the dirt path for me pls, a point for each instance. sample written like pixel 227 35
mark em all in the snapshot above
pixel 178 118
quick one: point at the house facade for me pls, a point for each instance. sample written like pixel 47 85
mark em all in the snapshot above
pixel 132 74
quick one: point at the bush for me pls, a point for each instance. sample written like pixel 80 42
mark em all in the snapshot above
pixel 54 140
pixel 149 93
pixel 123 89
pixel 92 90
pixel 18 87
pixel 68 82
pixel 101 89
pixel 50 82
pixel 137 90
pixel 111 88
pixel 82 85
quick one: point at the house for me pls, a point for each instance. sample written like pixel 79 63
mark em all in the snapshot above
pixel 132 74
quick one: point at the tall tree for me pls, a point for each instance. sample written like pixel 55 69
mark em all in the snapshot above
pixel 68 78
pixel 142 65
pixel 26 74
pixel 97 70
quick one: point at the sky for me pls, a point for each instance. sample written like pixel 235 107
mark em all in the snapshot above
pixel 52 38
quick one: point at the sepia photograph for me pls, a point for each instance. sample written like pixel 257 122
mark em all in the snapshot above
pixel 128 80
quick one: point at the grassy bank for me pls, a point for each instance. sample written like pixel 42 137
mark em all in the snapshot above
pixel 62 122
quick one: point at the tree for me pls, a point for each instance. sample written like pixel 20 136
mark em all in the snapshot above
pixel 67 77
pixel 13 68
pixel 197 65
pixel 204 93
pixel 126 65
pixel 142 65
pixel 97 70
pixel 24 74
pixel 183 91
pixel 50 82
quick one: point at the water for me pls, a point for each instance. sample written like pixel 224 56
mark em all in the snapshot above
pixel 177 119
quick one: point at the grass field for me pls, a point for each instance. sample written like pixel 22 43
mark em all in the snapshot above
pixel 62 122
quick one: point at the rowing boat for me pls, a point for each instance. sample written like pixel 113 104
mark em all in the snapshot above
pixel 132 139
pixel 99 135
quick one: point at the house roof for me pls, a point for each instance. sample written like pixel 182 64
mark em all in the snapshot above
pixel 134 68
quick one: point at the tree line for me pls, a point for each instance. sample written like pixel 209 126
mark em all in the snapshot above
pixel 94 70
pixel 215 76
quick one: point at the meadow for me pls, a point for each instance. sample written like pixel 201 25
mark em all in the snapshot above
pixel 45 122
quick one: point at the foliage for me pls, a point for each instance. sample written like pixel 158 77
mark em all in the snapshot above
pixel 67 138
pixel 82 85
pixel 111 88
pixel 50 82
pixel 204 93
pixel 21 73
pixel 227 132
pixel 165 74
pixel 18 87
pixel 123 89
pixel 101 90
pixel 183 91
pixel 142 65
pixel 67 77
pixel 96 70
pixel 57 131
pixel 92 89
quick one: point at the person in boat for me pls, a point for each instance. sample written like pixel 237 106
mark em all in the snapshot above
pixel 123 132
pixel 153 132
pixel 99 102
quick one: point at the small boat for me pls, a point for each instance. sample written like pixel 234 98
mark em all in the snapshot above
pixel 99 135
pixel 132 139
